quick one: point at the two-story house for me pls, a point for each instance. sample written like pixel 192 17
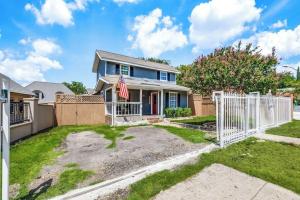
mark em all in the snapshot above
pixel 152 86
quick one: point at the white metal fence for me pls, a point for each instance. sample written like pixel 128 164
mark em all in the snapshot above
pixel 240 116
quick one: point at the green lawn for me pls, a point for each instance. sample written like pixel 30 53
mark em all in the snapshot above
pixel 291 129
pixel 29 156
pixel 197 120
pixel 274 162
pixel 191 135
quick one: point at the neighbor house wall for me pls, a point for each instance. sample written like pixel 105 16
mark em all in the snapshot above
pixel 41 117
pixel 79 110
pixel 201 106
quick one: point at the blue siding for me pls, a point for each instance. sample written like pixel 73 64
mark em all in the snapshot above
pixel 146 102
pixel 172 77
pixel 183 100
pixel 101 68
pixel 144 73
pixel 111 68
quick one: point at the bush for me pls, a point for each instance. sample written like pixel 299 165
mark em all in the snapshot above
pixel 178 112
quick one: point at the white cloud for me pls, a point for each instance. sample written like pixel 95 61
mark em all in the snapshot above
pixel 218 21
pixel 154 34
pixel 34 64
pixel 279 24
pixel 57 11
pixel 24 41
pixel 286 42
pixel 120 2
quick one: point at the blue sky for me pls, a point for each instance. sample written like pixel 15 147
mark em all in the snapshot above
pixel 55 40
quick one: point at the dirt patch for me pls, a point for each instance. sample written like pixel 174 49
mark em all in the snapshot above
pixel 89 150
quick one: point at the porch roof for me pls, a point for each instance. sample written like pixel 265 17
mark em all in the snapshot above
pixel 140 83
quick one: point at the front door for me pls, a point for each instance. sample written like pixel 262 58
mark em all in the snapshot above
pixel 154 103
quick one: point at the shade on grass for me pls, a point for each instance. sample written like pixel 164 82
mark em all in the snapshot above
pixel 197 120
pixel 291 129
pixel 274 162
pixel 191 135
pixel 29 156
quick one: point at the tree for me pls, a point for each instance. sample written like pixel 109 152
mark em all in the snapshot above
pixel 76 87
pixel 157 60
pixel 298 74
pixel 237 69
pixel 285 80
pixel 184 70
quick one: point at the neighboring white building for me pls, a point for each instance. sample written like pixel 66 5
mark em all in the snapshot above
pixel 46 91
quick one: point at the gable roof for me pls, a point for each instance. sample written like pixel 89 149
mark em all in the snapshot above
pixel 49 90
pixel 16 87
pixel 114 57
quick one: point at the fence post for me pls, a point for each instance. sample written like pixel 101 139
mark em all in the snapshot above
pixel 277 110
pixel 33 108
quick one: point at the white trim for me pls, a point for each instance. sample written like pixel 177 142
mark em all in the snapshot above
pixel 156 102
pixel 137 65
pixel 160 75
pixel 176 95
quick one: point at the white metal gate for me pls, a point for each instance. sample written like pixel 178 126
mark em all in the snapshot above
pixel 240 116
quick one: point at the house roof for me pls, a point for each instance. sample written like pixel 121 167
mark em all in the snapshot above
pixel 114 57
pixel 49 90
pixel 134 83
pixel 16 87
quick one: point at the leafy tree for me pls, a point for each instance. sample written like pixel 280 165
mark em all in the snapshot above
pixel 157 60
pixel 184 70
pixel 76 87
pixel 285 80
pixel 238 69
pixel 298 74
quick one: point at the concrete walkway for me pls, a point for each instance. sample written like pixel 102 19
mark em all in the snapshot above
pixel 221 182
pixel 278 138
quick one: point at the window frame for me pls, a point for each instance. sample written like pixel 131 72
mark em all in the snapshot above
pixel 128 70
pixel 176 96
pixel 166 75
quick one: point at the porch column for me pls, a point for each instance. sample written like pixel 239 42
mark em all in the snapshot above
pixel 158 100
pixel 187 99
pixel 114 104
pixel 162 103
pixel 141 104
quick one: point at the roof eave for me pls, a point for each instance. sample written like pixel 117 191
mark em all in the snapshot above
pixel 96 62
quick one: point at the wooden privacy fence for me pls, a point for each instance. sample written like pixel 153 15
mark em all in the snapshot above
pixel 201 106
pixel 79 109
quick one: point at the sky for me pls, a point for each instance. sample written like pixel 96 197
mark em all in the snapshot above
pixel 55 40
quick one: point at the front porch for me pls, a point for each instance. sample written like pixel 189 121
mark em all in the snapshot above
pixel 143 103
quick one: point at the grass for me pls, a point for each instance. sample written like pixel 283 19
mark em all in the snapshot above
pixel 71 165
pixel 130 137
pixel 29 156
pixel 291 129
pixel 191 135
pixel 274 162
pixel 197 120
pixel 67 181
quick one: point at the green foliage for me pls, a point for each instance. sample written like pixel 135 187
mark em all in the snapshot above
pixel 285 80
pixel 237 69
pixel 67 181
pixel 184 70
pixel 291 129
pixel 260 159
pixel 76 87
pixel 191 135
pixel 178 112
pixel 157 60
pixel 298 74
pixel 197 120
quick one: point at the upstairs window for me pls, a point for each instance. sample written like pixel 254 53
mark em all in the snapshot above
pixel 163 76
pixel 124 70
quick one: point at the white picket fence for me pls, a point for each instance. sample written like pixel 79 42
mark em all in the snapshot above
pixel 240 116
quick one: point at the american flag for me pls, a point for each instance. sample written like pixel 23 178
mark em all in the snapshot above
pixel 123 88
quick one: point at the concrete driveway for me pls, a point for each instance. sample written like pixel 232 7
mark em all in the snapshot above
pixel 219 182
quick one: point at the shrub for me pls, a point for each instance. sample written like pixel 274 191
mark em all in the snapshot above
pixel 178 112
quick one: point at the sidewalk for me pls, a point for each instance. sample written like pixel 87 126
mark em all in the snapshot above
pixel 221 182
pixel 278 138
